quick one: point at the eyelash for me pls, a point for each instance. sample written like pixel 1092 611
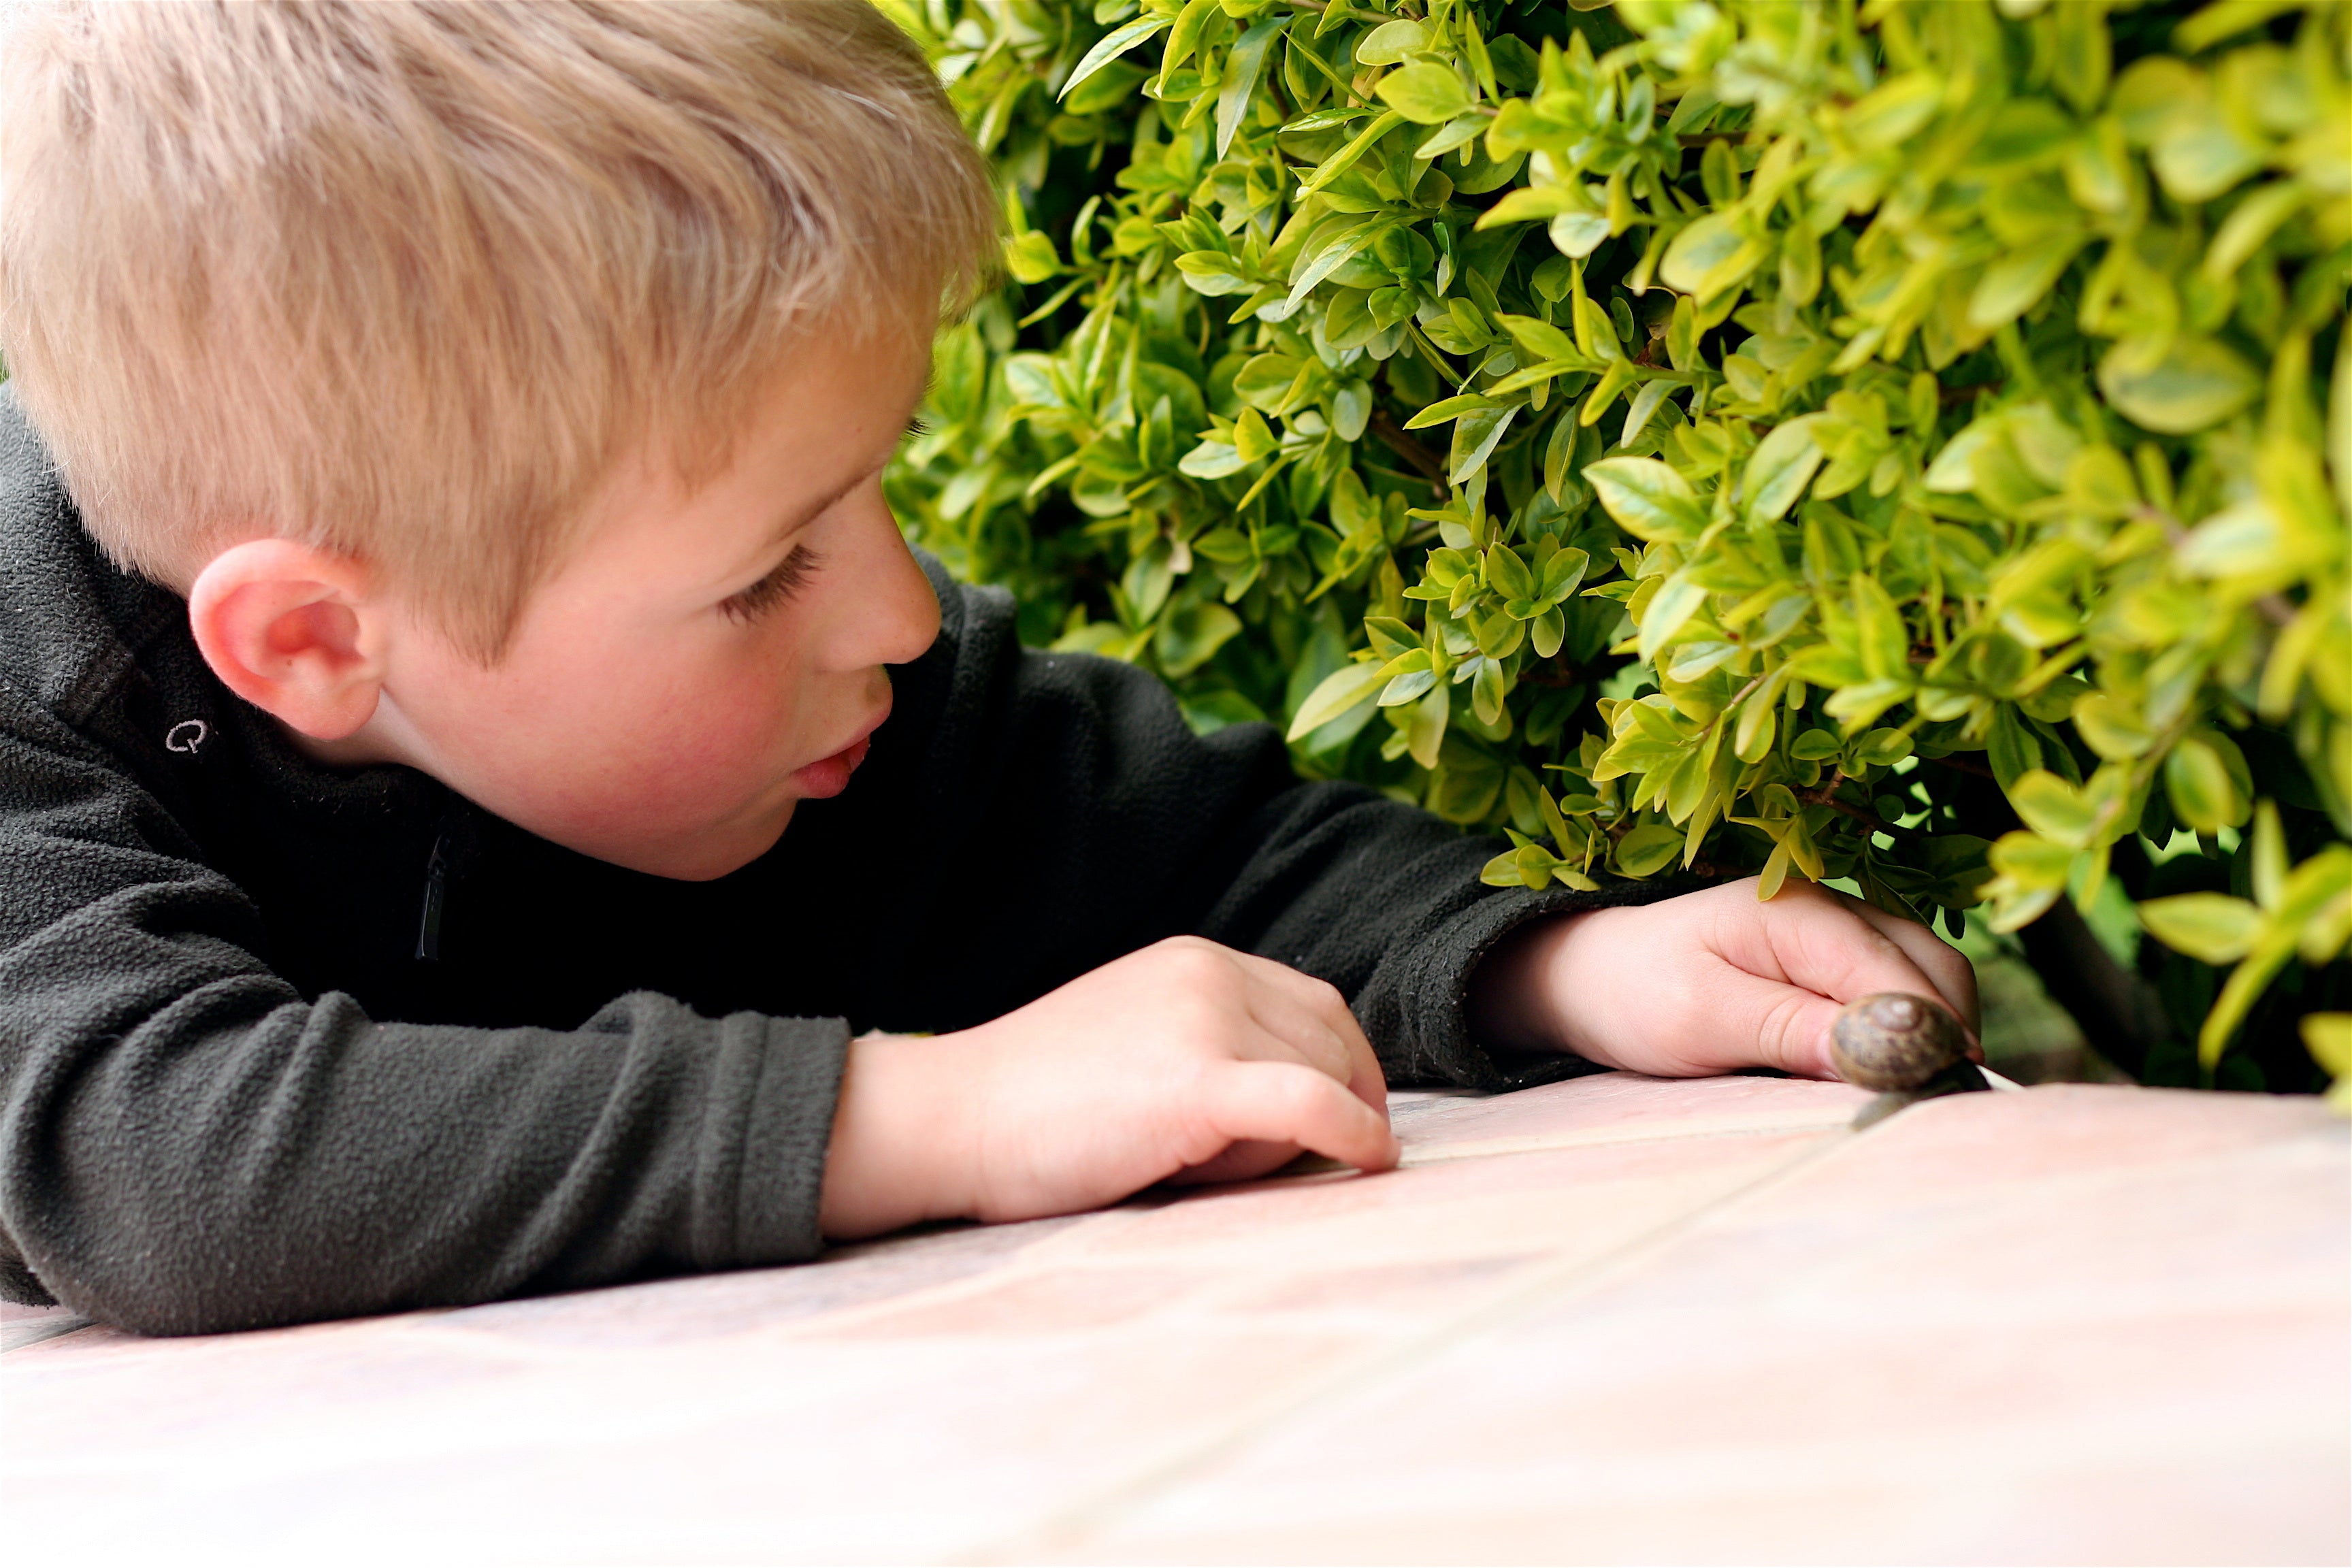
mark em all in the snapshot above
pixel 790 575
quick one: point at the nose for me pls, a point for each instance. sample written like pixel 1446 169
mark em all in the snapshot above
pixel 889 614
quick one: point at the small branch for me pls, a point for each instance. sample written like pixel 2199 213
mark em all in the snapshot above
pixel 1819 794
pixel 1876 823
pixel 1826 795
pixel 1393 436
pixel 1960 766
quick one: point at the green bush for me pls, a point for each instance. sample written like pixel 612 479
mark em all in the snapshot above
pixel 1866 442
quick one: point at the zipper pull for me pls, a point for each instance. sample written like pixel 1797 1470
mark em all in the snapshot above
pixel 436 889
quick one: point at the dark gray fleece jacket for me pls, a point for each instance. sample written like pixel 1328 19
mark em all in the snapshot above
pixel 281 1042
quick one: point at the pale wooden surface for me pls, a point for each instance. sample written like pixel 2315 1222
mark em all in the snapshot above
pixel 1612 1319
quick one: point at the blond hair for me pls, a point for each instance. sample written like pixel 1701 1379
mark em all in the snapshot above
pixel 405 281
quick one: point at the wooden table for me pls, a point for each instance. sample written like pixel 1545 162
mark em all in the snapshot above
pixel 1610 1320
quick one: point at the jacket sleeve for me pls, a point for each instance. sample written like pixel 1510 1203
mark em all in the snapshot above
pixel 1093 821
pixel 187 1145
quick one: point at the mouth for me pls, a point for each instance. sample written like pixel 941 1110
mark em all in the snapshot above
pixel 828 776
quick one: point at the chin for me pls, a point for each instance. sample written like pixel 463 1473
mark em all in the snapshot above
pixel 705 857
pixel 720 853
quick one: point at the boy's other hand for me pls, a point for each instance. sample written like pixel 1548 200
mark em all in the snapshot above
pixel 1710 981
pixel 1184 1060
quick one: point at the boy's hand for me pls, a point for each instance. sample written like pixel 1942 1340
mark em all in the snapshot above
pixel 1710 981
pixel 1183 1059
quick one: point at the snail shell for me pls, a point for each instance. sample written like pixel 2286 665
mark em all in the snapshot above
pixel 1893 1040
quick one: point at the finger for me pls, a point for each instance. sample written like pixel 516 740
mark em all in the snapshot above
pixel 1955 978
pixel 1790 1024
pixel 1283 1102
pixel 1817 941
pixel 1243 1161
pixel 1311 1014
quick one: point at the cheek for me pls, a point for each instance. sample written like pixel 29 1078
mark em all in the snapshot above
pixel 703 733
pixel 646 743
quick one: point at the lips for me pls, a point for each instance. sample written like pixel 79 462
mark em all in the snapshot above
pixel 828 776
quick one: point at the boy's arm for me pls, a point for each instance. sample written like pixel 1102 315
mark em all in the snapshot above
pixel 1070 816
pixel 187 1145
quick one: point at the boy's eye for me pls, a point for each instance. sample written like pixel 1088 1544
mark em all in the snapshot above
pixel 918 426
pixel 795 570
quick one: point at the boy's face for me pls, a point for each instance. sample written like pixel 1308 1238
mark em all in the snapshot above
pixel 704 661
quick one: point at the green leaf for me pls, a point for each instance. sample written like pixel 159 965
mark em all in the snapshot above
pixel 2224 18
pixel 2194 386
pixel 1503 871
pixel 1245 63
pixel 1547 632
pixel 1339 163
pixel 2204 796
pixel 2033 862
pixel 1454 133
pixel 1188 638
pixel 2201 154
pixel 1676 602
pixel 2110 726
pixel 1254 438
pixel 1895 111
pixel 1476 434
pixel 1781 468
pixel 1646 404
pixel 1561 572
pixel 1450 408
pixel 1211 461
pixel 1191 22
pixel 1881 748
pixel 2269 859
pixel 1648 849
pixel 1030 257
pixel 1426 731
pixel 1508 574
pixel 1424 94
pixel 1577 234
pixel 2015 283
pixel 1393 41
pixel 1708 257
pixel 1647 499
pixel 2212 928
pixel 1681 335
pixel 1542 339
pixel 2250 223
pixel 1333 257
pixel 1112 45
pixel 1533 204
pixel 2053 808
pixel 1344 690
pixel 1207 272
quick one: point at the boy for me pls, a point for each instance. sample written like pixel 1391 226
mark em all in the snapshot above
pixel 442 552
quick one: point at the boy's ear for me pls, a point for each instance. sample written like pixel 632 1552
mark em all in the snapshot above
pixel 294 631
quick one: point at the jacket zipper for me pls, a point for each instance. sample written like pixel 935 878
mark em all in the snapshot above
pixel 436 890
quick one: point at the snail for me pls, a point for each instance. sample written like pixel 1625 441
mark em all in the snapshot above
pixel 1907 1047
